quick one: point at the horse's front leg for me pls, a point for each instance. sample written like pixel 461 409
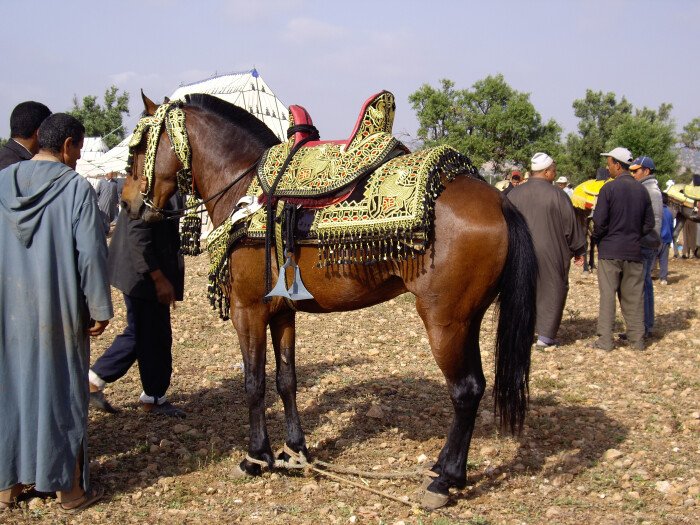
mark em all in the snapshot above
pixel 251 324
pixel 282 329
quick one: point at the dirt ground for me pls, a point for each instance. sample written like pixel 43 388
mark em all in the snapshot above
pixel 610 438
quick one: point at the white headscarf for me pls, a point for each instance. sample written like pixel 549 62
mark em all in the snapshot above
pixel 540 161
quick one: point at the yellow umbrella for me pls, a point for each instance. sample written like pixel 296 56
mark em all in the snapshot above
pixel 586 193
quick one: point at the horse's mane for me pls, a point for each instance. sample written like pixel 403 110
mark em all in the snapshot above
pixel 235 115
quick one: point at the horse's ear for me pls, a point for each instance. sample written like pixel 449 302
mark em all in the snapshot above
pixel 148 104
pixel 166 100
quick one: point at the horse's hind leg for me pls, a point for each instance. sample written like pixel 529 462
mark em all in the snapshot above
pixel 251 329
pixel 282 328
pixel 455 346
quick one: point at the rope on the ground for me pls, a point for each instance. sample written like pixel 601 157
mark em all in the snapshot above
pixel 299 461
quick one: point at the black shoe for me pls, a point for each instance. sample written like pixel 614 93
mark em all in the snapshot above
pixel 164 409
pixel 98 401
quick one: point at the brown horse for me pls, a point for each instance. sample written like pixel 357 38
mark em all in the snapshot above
pixel 480 249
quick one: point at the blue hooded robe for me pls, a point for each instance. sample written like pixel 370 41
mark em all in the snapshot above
pixel 53 279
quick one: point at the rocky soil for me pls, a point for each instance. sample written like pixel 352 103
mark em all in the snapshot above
pixel 611 438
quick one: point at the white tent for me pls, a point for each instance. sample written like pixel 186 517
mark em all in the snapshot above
pixel 246 89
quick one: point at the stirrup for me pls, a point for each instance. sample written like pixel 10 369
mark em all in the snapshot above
pixel 297 291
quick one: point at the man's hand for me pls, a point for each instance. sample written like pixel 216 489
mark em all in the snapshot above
pixel 97 328
pixel 164 288
pixel 578 260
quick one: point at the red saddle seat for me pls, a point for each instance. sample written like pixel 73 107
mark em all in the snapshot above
pixel 299 115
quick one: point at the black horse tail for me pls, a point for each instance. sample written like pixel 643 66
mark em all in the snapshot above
pixel 516 322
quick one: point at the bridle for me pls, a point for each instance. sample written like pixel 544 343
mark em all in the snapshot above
pixel 172 116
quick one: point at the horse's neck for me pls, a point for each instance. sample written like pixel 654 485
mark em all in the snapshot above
pixel 215 166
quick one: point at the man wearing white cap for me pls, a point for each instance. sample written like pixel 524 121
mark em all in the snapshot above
pixel 622 216
pixel 563 183
pixel 557 236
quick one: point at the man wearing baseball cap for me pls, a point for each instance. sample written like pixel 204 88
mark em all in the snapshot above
pixel 622 216
pixel 643 169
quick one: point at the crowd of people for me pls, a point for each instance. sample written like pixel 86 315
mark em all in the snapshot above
pixel 54 228
pixel 632 229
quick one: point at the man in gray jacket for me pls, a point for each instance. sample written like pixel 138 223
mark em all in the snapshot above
pixel 642 169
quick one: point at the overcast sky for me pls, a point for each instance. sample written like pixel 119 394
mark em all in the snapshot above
pixel 330 56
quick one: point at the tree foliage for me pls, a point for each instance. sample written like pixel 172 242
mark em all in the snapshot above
pixel 649 133
pixel 103 121
pixel 599 114
pixel 2 142
pixel 489 122
pixel 690 137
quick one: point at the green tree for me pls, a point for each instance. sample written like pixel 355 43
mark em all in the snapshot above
pixel 599 113
pixel 103 121
pixel 489 122
pixel 436 111
pixel 690 137
pixel 2 142
pixel 649 133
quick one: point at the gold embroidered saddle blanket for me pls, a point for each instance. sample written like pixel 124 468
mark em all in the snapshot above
pixel 322 168
pixel 389 216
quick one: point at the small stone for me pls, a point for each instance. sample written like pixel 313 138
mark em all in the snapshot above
pixel 611 454
pixel 309 488
pixel 663 486
pixel 690 502
pixel 693 490
pixel 180 428
pixel 35 503
pixel 137 496
pixel 166 444
pixel 154 449
pixel 422 458
pixel 375 412
pixel 562 479
pixel 633 494
pixel 675 499
pixel 210 490
pixel 552 511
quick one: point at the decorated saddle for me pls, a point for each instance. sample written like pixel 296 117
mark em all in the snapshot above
pixel 361 201
pixel 321 168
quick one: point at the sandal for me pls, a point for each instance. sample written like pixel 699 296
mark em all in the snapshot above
pixel 86 500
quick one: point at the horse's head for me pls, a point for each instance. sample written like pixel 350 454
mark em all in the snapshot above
pixel 154 166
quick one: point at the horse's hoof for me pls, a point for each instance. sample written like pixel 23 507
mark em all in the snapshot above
pixel 428 499
pixel 433 500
